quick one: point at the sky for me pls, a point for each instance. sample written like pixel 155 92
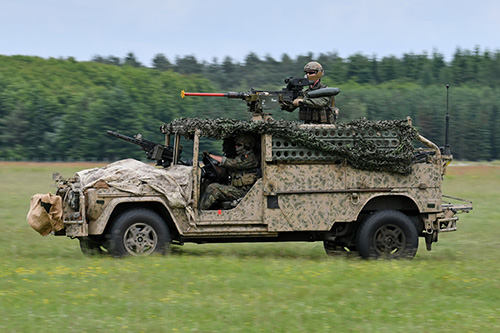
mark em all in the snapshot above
pixel 209 29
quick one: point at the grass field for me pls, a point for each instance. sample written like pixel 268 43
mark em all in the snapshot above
pixel 46 285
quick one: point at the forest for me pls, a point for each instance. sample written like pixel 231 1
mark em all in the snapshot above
pixel 60 109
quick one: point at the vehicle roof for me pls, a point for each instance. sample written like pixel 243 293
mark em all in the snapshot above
pixel 373 145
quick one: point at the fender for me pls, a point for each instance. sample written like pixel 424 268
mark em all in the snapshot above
pixel 407 202
pixel 98 226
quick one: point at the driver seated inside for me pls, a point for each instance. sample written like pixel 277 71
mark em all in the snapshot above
pixel 243 169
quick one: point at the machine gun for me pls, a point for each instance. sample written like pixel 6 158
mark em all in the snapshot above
pixel 163 155
pixel 260 100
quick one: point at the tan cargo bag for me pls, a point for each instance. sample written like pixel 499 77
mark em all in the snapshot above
pixel 45 213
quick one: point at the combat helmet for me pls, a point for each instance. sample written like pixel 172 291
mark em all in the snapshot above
pixel 314 66
pixel 246 141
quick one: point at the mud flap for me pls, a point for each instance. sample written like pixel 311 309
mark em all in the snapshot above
pixel 429 239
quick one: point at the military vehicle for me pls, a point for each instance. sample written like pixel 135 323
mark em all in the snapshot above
pixel 370 188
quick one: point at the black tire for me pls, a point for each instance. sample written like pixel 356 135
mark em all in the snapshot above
pixel 92 246
pixel 139 232
pixel 387 234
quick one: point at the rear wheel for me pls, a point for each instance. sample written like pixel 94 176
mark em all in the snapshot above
pixel 387 234
pixel 139 232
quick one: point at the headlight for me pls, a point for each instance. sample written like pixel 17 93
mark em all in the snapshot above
pixel 73 200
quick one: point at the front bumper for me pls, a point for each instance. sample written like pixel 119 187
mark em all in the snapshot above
pixel 449 221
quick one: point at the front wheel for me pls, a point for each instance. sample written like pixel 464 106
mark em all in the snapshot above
pixel 139 232
pixel 387 234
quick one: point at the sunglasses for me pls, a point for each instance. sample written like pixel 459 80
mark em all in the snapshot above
pixel 312 73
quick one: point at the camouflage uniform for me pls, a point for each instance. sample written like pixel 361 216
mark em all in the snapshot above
pixel 318 110
pixel 243 169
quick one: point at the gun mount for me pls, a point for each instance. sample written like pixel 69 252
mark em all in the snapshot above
pixel 259 101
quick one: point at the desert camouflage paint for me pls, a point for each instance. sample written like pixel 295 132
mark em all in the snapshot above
pixel 312 177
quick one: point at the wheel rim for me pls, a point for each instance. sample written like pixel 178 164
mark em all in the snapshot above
pixel 389 240
pixel 140 239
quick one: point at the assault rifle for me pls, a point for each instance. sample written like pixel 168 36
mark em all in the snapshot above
pixel 163 155
pixel 260 100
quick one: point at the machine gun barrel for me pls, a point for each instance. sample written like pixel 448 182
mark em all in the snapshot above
pixel 230 94
pixel 135 141
pixel 184 94
pixel 163 155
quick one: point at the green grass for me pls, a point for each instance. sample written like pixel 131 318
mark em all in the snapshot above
pixel 47 285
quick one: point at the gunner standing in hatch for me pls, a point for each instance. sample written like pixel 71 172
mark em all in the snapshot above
pixel 319 110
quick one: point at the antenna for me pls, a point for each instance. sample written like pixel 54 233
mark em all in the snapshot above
pixel 447 130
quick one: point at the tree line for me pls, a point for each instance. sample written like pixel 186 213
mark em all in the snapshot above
pixel 466 67
pixel 60 109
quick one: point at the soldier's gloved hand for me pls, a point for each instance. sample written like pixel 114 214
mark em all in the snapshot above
pixel 297 101
pixel 206 153
pixel 287 106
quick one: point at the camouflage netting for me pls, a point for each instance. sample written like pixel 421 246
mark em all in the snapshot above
pixel 361 154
